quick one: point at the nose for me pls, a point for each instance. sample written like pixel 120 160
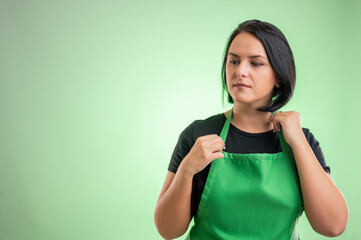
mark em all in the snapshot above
pixel 242 70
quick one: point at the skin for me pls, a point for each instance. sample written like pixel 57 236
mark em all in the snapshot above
pixel 324 204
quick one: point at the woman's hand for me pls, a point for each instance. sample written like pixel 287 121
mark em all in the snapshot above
pixel 291 126
pixel 206 149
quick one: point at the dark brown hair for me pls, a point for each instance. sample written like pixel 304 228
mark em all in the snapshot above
pixel 280 56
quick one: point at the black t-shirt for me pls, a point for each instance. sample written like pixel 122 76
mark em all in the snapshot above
pixel 237 141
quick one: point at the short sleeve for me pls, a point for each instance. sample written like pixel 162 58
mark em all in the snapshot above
pixel 182 148
pixel 317 150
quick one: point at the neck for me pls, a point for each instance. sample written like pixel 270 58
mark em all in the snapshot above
pixel 249 119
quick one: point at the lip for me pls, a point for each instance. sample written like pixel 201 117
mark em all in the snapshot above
pixel 240 85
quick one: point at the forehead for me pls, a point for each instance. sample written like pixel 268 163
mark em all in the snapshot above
pixel 245 44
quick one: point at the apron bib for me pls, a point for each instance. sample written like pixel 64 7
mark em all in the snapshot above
pixel 253 196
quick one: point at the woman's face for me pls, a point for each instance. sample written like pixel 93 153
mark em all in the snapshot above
pixel 250 76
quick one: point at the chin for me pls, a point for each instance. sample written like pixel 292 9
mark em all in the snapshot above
pixel 248 101
pixel 241 99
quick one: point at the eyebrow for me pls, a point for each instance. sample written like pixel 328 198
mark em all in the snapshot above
pixel 254 56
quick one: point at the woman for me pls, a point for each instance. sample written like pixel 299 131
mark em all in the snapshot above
pixel 249 173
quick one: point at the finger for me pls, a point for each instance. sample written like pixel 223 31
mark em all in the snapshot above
pixel 220 140
pixel 209 136
pixel 273 121
pixel 217 155
pixel 209 139
pixel 216 139
pixel 277 126
pixel 279 120
pixel 207 142
pixel 276 121
pixel 216 147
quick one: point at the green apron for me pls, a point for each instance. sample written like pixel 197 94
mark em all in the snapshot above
pixel 249 196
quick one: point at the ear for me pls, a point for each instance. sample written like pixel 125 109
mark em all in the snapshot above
pixel 278 84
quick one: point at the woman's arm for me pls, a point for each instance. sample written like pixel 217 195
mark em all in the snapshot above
pixel 173 210
pixel 324 204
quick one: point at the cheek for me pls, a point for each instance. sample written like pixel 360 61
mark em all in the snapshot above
pixel 227 71
pixel 230 73
pixel 269 79
pixel 228 76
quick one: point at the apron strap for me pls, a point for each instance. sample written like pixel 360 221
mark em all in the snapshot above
pixel 226 127
pixel 284 144
pixel 290 164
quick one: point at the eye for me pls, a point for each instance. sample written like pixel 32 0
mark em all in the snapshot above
pixel 257 64
pixel 233 62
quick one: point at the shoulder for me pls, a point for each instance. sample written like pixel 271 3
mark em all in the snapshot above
pixel 315 145
pixel 309 136
pixel 306 131
pixel 187 138
pixel 201 127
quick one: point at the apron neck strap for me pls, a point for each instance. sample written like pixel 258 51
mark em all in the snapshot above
pixel 284 145
pixel 226 127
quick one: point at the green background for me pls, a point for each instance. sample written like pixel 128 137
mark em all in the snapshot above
pixel 94 94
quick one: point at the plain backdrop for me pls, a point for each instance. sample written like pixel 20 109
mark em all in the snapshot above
pixel 94 95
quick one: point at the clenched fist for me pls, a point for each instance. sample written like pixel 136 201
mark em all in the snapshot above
pixel 206 149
